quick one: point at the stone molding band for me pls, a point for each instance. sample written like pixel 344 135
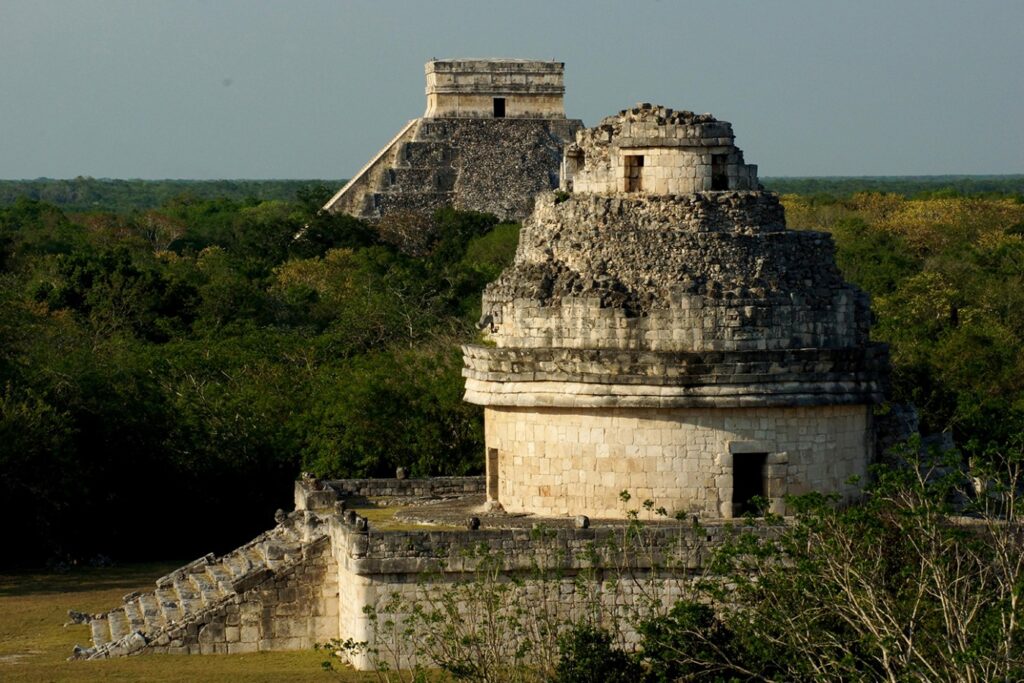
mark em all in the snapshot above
pixel 497 89
pixel 589 378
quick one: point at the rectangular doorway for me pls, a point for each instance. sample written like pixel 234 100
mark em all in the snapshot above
pixel 748 480
pixel 633 165
pixel 719 172
pixel 492 474
pixel 499 107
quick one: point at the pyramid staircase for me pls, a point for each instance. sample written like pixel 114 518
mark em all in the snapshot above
pixel 421 175
pixel 169 618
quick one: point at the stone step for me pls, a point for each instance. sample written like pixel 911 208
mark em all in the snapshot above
pixel 433 131
pixel 167 598
pixel 119 624
pixel 207 587
pixel 419 180
pixel 100 631
pixel 424 153
pixel 256 555
pixel 194 566
pixel 221 575
pixel 151 612
pixel 409 201
pixel 189 599
pixel 148 619
pixel 238 563
pixel 134 615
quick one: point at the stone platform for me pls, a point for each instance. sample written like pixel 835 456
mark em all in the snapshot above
pixel 312 577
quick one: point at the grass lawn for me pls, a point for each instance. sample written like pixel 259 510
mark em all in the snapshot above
pixel 34 644
pixel 381 516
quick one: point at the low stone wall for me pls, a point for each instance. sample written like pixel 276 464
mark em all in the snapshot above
pixel 611 547
pixel 549 575
pixel 429 487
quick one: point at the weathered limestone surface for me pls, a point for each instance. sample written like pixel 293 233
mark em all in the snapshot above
pixel 461 154
pixel 704 272
pixel 315 576
pixel 277 592
pixel 679 152
pixel 467 88
pixel 562 572
pixel 660 332
pixel 568 462
pixel 660 315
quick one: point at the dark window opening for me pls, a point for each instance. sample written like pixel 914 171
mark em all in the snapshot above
pixel 499 107
pixel 492 474
pixel 719 173
pixel 634 166
pixel 747 482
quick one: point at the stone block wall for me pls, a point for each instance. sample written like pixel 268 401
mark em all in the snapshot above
pixel 466 88
pixel 561 461
pixel 569 598
pixel 707 272
pixel 492 165
pixel 592 378
pixel 681 153
pixel 667 171
pixel 293 609
pixel 695 323
pixel 560 574
pixel 517 106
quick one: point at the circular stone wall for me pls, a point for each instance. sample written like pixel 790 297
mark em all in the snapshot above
pixel 559 461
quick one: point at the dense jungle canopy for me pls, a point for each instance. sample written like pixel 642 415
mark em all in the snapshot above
pixel 169 365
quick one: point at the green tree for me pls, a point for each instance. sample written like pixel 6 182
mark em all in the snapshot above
pixel 394 408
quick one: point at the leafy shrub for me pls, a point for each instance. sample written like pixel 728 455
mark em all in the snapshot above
pixel 586 655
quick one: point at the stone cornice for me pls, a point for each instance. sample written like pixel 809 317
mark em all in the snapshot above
pixel 561 377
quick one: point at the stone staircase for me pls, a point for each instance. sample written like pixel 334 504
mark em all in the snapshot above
pixel 421 176
pixel 170 618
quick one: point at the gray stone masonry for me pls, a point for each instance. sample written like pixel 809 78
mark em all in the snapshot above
pixel 657 316
pixel 309 579
pixel 466 88
pixel 461 155
pixel 707 291
pixel 656 150
pixel 277 592
pixel 521 541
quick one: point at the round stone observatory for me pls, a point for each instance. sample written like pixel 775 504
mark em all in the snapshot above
pixel 661 332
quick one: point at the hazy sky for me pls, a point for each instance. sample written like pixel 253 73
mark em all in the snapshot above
pixel 311 88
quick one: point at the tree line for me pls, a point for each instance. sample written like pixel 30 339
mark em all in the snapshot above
pixel 110 194
pixel 825 189
pixel 165 374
